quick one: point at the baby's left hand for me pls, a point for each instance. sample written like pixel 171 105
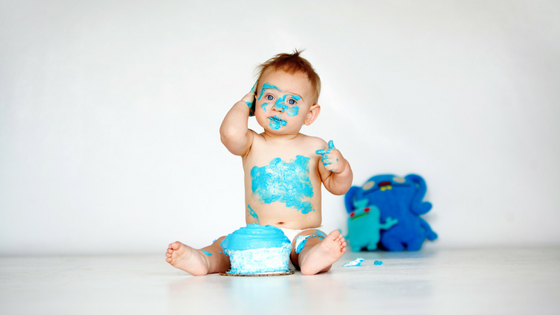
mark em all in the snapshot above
pixel 332 159
pixel 250 100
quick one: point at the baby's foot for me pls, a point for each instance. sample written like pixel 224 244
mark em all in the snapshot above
pixel 320 257
pixel 187 258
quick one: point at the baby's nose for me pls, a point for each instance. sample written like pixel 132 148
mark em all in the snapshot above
pixel 278 108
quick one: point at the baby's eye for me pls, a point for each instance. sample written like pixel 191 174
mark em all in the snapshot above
pixel 269 97
pixel 292 102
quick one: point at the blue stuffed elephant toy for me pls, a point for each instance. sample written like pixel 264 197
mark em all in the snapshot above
pixel 398 199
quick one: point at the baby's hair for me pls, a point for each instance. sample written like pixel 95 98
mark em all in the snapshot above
pixel 292 64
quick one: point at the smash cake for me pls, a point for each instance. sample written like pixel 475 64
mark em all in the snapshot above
pixel 257 249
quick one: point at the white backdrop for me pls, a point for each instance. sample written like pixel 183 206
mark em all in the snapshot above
pixel 110 110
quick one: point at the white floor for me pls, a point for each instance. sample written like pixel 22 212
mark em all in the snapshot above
pixel 466 281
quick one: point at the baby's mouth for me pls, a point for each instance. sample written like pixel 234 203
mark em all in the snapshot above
pixel 276 119
pixel 276 123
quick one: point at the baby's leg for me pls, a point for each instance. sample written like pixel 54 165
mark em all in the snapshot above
pixel 318 254
pixel 198 262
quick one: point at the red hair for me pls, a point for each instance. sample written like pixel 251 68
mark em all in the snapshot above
pixel 292 64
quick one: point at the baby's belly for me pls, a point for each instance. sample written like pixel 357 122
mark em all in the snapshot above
pixel 283 217
pixel 285 193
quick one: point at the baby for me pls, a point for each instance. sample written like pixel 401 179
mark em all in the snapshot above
pixel 283 168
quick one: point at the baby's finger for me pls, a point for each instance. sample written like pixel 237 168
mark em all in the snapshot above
pixel 331 145
pixel 320 152
pixel 249 97
pixel 254 86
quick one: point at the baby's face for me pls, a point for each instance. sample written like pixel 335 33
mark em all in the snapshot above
pixel 283 101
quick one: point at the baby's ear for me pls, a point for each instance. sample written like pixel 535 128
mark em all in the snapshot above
pixel 312 114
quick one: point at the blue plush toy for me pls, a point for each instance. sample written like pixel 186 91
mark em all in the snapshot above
pixel 364 226
pixel 398 198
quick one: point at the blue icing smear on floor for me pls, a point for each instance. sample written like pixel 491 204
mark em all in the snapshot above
pixel 354 263
pixel 378 262
pixel 286 182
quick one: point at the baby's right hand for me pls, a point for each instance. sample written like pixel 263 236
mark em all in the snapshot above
pixel 249 99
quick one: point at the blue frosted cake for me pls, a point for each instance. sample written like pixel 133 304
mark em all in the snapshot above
pixel 257 249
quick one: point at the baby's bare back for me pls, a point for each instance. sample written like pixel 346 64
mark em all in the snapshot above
pixel 282 182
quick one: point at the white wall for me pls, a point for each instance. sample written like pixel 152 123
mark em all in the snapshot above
pixel 109 114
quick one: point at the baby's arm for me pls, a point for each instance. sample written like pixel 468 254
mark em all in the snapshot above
pixel 234 132
pixel 335 170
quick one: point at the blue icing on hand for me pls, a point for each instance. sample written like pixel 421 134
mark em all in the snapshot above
pixel 207 253
pixel 253 214
pixel 265 87
pixel 286 182
pixel 324 159
pixel 276 123
pixel 324 156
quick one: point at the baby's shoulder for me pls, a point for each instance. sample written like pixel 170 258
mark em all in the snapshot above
pixel 315 142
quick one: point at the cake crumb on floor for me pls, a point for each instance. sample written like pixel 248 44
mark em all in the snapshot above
pixel 354 263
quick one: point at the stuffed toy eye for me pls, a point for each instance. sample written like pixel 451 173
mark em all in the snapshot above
pixel 369 185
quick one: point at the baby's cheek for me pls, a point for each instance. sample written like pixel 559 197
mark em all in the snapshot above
pixel 264 105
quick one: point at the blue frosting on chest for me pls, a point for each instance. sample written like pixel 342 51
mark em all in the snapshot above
pixel 255 236
pixel 286 182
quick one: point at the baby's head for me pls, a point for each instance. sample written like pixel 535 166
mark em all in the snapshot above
pixel 286 93
pixel 292 64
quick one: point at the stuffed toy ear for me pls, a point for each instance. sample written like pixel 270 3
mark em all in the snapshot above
pixel 418 206
pixel 349 198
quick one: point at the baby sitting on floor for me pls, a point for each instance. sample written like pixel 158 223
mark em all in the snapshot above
pixel 283 168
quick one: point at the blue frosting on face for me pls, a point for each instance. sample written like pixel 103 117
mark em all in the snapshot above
pixel 255 236
pixel 265 87
pixel 293 111
pixel 275 122
pixel 281 105
pixel 286 182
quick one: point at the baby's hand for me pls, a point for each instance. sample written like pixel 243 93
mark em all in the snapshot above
pixel 249 99
pixel 332 159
